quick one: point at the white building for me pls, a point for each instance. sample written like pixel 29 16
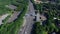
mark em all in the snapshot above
pixel 40 17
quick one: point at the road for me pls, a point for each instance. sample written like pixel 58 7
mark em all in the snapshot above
pixel 29 20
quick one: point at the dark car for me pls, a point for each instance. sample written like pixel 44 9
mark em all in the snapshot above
pixel 57 22
pixel 34 19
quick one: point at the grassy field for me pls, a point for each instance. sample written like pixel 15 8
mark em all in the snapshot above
pixel 19 3
pixel 3 8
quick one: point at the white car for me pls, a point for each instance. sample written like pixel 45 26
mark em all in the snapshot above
pixel 25 32
pixel 26 14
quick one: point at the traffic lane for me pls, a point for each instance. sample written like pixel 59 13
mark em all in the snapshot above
pixel 29 25
pixel 26 28
pixel 29 19
pixel 31 9
pixel 29 28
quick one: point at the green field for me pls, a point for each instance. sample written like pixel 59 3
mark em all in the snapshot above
pixel 13 26
pixel 19 3
pixel 3 8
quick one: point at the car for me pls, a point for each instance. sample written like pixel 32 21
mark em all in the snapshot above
pixel 26 14
pixel 25 32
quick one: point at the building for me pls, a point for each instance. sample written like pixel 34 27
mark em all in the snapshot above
pixel 37 1
pixel 40 18
pixel 40 1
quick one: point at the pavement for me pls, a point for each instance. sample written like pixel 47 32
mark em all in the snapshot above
pixel 26 29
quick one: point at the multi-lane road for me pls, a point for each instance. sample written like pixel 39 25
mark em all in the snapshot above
pixel 29 20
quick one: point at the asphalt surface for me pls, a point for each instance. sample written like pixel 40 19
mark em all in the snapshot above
pixel 29 20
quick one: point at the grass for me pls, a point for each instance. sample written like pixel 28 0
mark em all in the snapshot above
pixel 3 8
pixel 13 27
